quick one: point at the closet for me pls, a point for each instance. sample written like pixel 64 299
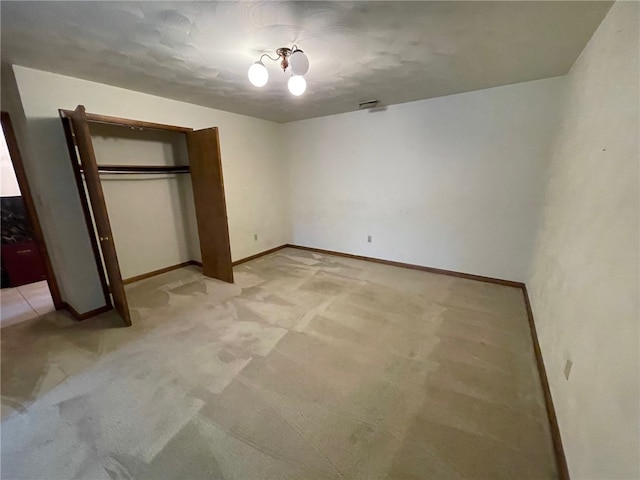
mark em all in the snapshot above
pixel 158 188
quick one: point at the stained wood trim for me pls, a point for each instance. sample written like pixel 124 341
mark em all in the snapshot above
pixel 75 165
pixel 469 276
pixel 25 191
pixel 86 315
pixel 561 461
pixel 199 264
pixel 127 122
pixel 258 255
pixel 160 271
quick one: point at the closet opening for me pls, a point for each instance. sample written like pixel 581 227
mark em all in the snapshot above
pixel 146 182
pixel 153 198
pixel 29 287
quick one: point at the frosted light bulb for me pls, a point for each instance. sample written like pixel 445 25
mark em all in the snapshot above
pixel 297 85
pixel 258 74
pixel 299 63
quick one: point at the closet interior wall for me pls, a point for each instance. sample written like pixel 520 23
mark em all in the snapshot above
pixel 152 195
pixel 152 215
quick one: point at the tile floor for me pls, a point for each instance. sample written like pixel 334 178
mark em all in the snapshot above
pixel 24 303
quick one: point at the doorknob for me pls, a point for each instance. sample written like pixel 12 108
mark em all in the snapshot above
pixel 104 239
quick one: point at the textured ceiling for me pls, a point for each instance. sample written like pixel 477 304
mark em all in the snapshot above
pixel 395 52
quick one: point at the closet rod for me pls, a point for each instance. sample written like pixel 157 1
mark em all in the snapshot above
pixel 117 172
pixel 143 169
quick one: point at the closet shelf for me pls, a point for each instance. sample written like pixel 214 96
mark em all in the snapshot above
pixel 144 169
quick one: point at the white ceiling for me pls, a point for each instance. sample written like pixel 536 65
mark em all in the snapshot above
pixel 395 52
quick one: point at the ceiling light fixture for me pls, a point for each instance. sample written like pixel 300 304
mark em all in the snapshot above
pixel 292 58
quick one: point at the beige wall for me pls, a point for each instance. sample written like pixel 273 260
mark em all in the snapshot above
pixel 454 182
pixel 584 279
pixel 252 166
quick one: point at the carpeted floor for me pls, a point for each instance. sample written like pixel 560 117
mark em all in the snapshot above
pixel 309 367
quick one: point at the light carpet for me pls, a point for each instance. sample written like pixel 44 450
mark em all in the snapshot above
pixel 309 367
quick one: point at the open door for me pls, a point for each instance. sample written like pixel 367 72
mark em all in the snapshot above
pixel 211 210
pixel 99 209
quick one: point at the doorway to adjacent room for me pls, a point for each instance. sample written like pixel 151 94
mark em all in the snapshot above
pixel 29 288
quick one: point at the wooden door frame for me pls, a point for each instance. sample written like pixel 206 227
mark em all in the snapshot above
pixel 25 191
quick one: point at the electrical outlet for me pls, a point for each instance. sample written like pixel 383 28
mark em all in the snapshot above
pixel 567 368
pixel 255 237
pixel 369 239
